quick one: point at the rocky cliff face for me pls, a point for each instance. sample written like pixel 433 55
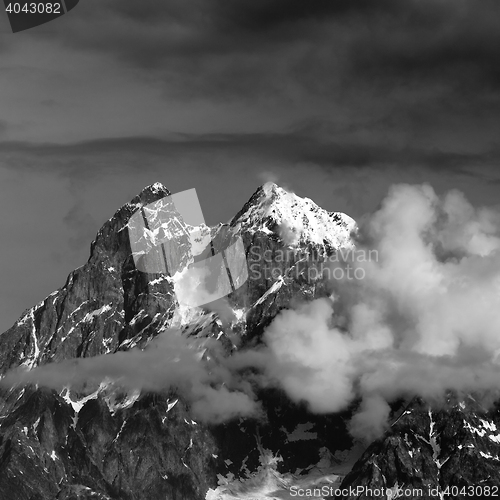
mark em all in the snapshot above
pixel 100 306
pixel 104 442
pixel 452 451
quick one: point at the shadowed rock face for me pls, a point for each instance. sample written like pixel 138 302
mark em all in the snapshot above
pixel 107 443
pixel 142 451
pixel 457 444
pixel 92 312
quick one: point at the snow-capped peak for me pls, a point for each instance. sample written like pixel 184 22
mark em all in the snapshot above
pixel 156 188
pixel 272 209
pixel 270 188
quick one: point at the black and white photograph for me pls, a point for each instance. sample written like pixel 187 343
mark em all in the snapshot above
pixel 249 249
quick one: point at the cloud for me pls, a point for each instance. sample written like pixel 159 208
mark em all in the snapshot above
pixel 370 421
pixel 421 319
pixel 408 84
pixel 169 361
pixel 299 145
pixel 289 49
pixel 309 358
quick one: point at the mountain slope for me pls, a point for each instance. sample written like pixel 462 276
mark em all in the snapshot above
pixel 271 209
pixel 452 451
pixel 103 442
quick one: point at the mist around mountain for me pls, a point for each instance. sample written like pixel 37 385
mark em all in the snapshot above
pixel 355 356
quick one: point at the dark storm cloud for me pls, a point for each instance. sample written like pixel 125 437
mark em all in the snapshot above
pixel 453 42
pixel 231 49
pixel 89 158
pixel 202 25
pixel 414 82
pixel 269 16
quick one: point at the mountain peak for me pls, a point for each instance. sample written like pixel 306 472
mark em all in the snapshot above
pixel 270 188
pixel 155 189
pixel 273 209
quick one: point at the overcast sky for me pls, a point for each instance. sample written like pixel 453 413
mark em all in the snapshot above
pixel 335 99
